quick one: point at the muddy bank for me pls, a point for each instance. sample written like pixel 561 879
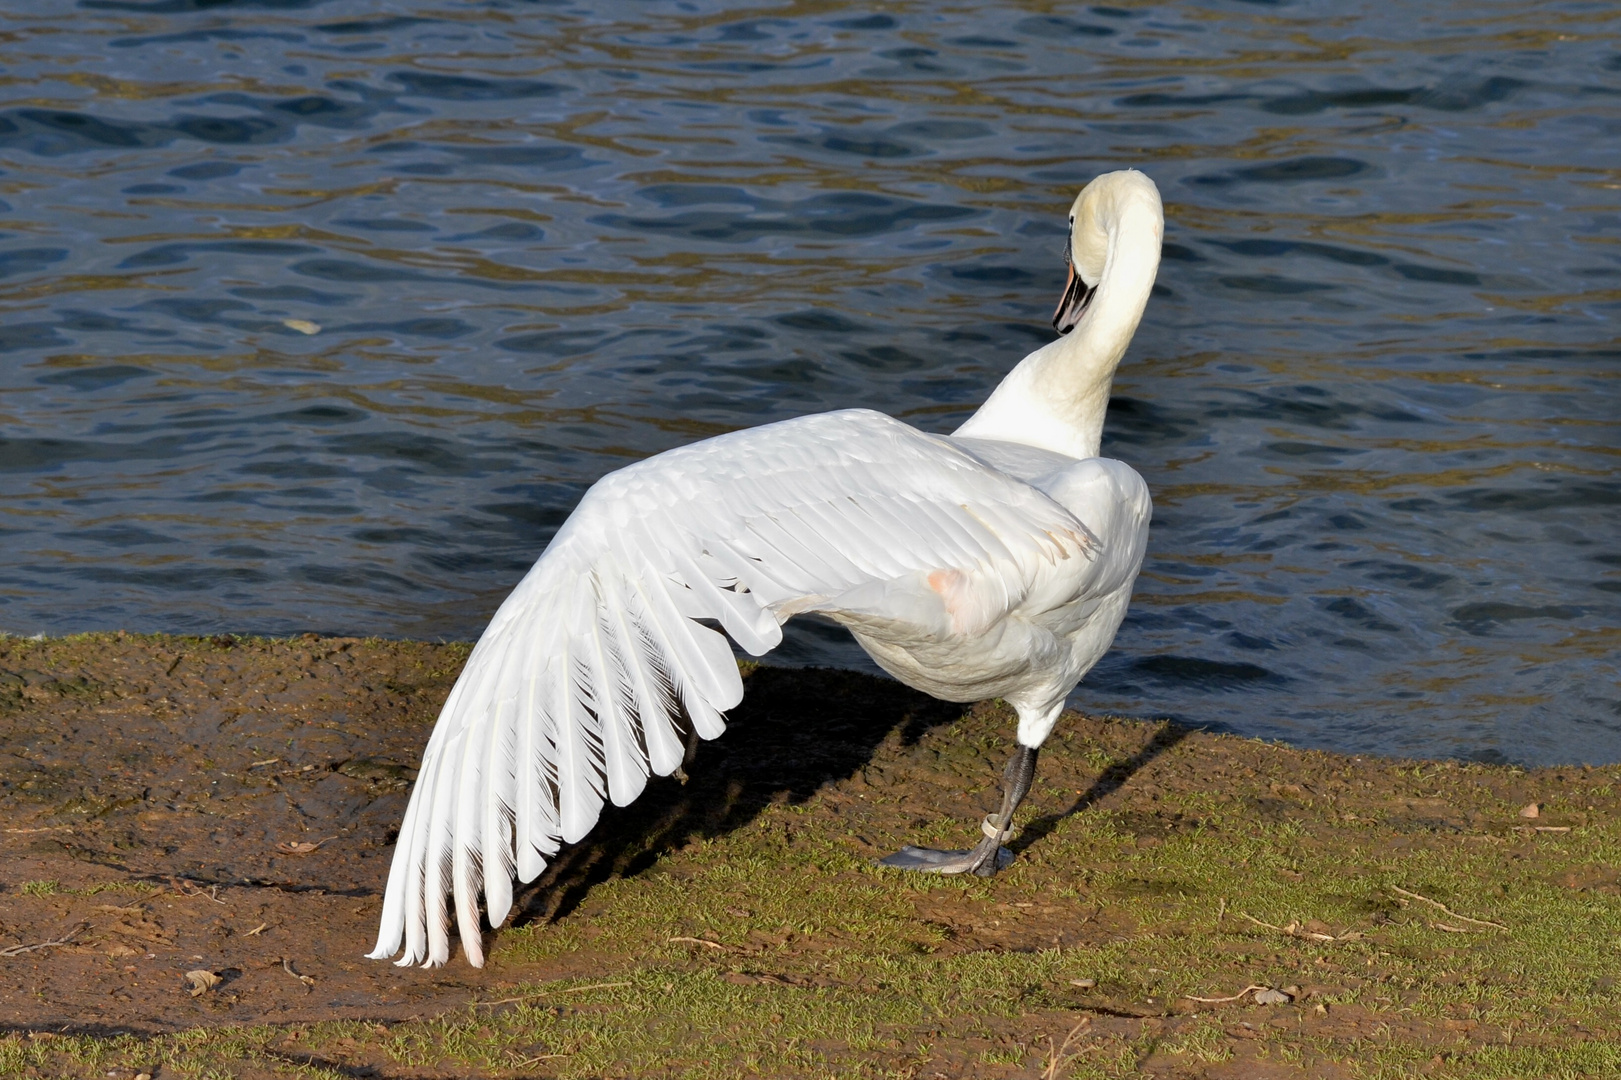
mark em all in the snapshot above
pixel 168 797
pixel 228 805
pixel 231 803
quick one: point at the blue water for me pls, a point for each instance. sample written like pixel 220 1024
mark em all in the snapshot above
pixel 321 316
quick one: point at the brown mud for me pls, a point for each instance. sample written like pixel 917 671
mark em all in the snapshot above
pixel 158 796
pixel 229 805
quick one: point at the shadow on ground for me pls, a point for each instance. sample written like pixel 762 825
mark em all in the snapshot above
pixel 161 797
pixel 795 731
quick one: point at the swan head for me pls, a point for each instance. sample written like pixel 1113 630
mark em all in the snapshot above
pixel 1093 218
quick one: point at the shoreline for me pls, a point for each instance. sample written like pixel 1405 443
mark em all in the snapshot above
pixel 161 795
pixel 1146 716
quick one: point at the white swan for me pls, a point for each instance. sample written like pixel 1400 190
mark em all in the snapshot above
pixel 994 563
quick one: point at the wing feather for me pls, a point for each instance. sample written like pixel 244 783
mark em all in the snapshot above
pixel 574 694
pixel 624 758
pixel 496 854
pixel 466 843
pixel 539 832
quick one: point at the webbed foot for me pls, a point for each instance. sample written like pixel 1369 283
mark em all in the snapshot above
pixel 930 861
pixel 988 856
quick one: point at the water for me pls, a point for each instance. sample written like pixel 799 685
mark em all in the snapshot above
pixel 1375 394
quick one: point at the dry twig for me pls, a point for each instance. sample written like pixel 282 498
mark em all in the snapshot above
pixel 699 941
pixel 309 983
pixel 1294 929
pixel 525 1062
pixel 1060 1056
pixel 18 950
pixel 1220 1000
pixel 545 993
pixel 1442 907
pixel 301 847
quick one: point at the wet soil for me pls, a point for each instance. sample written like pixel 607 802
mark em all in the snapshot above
pixel 228 805
pixel 163 796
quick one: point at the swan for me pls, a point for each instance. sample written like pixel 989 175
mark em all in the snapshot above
pixel 996 562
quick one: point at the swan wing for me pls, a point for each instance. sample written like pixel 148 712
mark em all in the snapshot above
pixel 573 695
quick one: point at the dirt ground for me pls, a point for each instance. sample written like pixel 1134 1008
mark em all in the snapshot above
pixel 228 806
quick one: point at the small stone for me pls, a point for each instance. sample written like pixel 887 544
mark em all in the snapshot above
pixel 1272 997
pixel 1530 810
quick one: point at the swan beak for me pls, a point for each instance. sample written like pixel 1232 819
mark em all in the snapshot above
pixel 1077 294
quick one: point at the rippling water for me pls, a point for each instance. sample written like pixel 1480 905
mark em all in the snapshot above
pixel 323 315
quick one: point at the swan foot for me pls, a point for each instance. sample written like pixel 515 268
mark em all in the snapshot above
pixel 930 861
pixel 988 856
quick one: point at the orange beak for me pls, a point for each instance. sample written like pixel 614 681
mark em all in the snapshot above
pixel 1072 305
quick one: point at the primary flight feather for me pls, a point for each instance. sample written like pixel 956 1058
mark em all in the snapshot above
pixel 994 562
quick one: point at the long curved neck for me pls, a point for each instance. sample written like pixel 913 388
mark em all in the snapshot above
pixel 1055 399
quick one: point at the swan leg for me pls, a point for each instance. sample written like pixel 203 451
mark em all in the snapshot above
pixel 689 757
pixel 988 856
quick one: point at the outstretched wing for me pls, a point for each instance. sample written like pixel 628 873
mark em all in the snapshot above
pixel 575 691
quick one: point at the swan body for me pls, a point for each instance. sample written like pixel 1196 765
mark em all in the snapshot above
pixel 995 562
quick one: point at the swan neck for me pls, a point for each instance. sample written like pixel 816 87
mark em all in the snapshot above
pixel 1057 396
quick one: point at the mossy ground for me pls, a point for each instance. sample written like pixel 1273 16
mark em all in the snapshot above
pixel 737 926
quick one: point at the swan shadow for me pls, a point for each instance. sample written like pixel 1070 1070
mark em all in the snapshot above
pixel 796 730
pixel 1109 781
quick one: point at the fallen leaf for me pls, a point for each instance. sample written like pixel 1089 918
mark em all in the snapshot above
pixel 301 847
pixel 303 326
pixel 202 981
pixel 1530 810
pixel 1272 997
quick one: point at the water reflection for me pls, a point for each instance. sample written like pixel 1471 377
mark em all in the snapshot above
pixel 318 317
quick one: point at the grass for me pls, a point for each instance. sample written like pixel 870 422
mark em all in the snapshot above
pixel 1153 869
pixel 826 968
